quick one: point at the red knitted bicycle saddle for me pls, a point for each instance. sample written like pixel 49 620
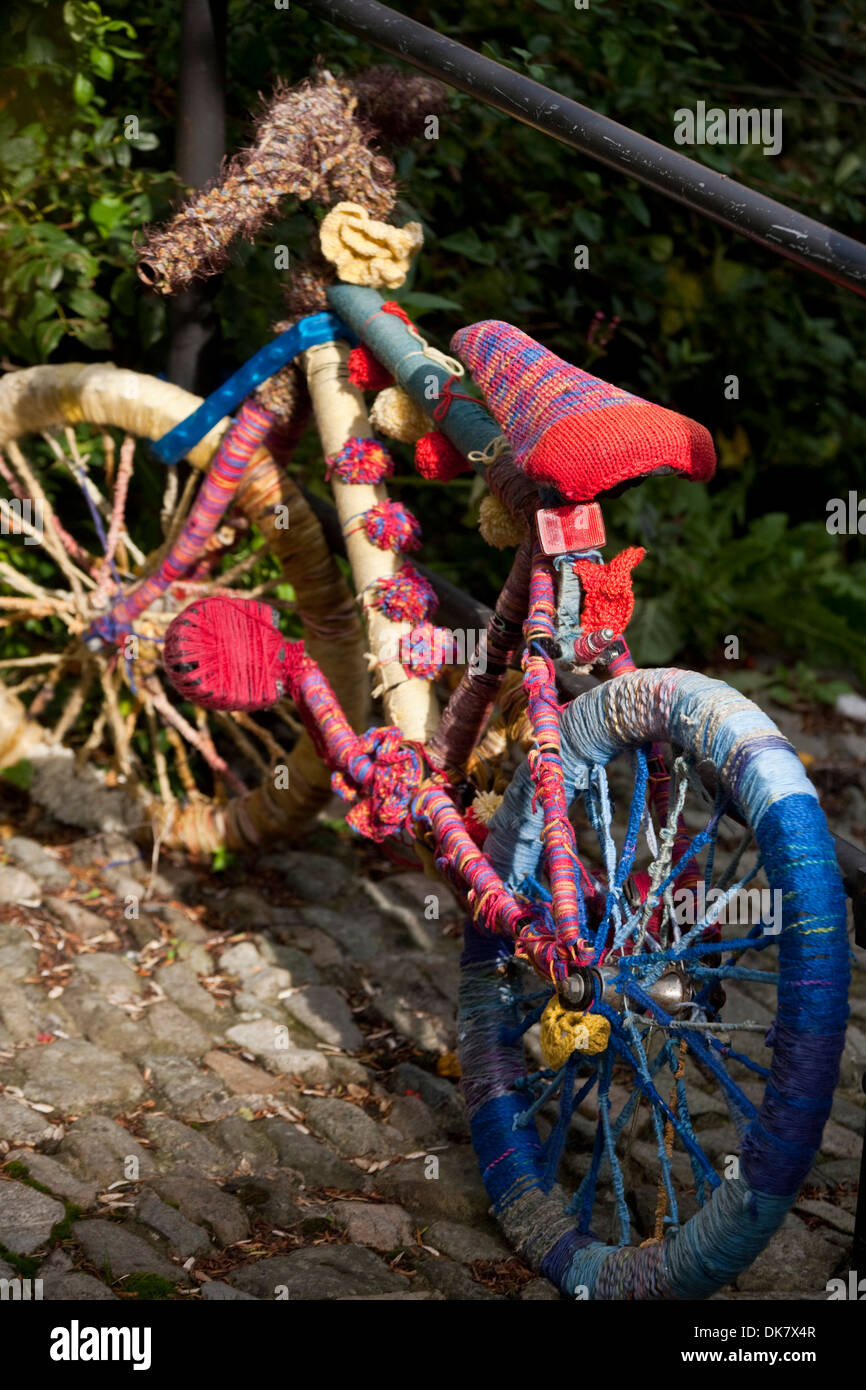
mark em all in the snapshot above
pixel 571 430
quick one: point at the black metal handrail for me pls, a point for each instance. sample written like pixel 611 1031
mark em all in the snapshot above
pixel 787 233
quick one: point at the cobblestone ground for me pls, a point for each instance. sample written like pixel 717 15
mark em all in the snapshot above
pixel 240 1085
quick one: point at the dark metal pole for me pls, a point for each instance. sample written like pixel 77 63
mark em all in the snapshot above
pixel 194 346
pixel 808 243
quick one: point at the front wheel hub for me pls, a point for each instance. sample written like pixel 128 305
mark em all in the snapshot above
pixel 672 991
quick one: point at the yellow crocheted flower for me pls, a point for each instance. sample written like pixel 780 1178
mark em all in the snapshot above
pixel 564 1032
pixel 396 414
pixel 497 525
pixel 367 252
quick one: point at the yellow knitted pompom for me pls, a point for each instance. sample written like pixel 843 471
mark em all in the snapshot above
pixel 367 252
pixel 498 527
pixel 564 1032
pixel 396 414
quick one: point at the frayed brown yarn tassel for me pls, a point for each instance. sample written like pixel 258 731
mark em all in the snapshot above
pixel 308 145
pixel 285 393
pixel 396 104
pixel 307 290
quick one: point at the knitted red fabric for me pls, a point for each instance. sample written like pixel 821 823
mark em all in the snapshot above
pixel 228 653
pixel 608 600
pixel 476 828
pixel 436 457
pixel 572 430
pixel 392 307
pixel 366 371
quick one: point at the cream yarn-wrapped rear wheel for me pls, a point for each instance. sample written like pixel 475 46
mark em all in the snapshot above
pixel 99 736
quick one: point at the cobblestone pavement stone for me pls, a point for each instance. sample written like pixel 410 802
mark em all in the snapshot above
pixel 241 1085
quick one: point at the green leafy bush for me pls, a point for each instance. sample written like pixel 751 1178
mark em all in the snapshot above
pixel 73 188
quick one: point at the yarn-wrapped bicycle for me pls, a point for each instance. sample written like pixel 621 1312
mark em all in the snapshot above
pixel 600 845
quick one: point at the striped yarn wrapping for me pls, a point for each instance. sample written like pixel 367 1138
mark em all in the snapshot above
pixel 493 903
pixel 244 437
pixel 622 663
pixel 382 774
pixel 469 708
pixel 568 945
pixel 572 430
pixel 460 859
pixel 378 770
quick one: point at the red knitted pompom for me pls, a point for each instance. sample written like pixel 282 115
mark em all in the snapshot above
pixel 436 457
pixel 366 371
pixel 228 653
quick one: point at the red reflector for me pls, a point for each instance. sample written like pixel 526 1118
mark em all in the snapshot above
pixel 578 526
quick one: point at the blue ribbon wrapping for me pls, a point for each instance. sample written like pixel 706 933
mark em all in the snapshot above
pixel 306 333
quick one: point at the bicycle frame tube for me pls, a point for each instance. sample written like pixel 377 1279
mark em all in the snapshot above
pixel 341 415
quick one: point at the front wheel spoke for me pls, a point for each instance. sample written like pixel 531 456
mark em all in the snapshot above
pixel 663 1148
pixel 610 1149
pixel 620 1043
pixel 199 739
pixel 703 1047
pixel 735 972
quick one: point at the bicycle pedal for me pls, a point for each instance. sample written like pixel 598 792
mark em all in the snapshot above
pixel 576 526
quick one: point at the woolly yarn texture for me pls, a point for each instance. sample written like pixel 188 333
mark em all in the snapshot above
pixel 308 145
pixel 395 413
pixel 608 596
pixel 572 430
pixel 564 1031
pixel 497 525
pixel 226 653
pixel 367 252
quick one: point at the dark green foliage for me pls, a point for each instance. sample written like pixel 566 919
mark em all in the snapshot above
pixel 671 305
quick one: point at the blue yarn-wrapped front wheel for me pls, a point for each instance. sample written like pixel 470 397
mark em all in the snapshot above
pixel 648 929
